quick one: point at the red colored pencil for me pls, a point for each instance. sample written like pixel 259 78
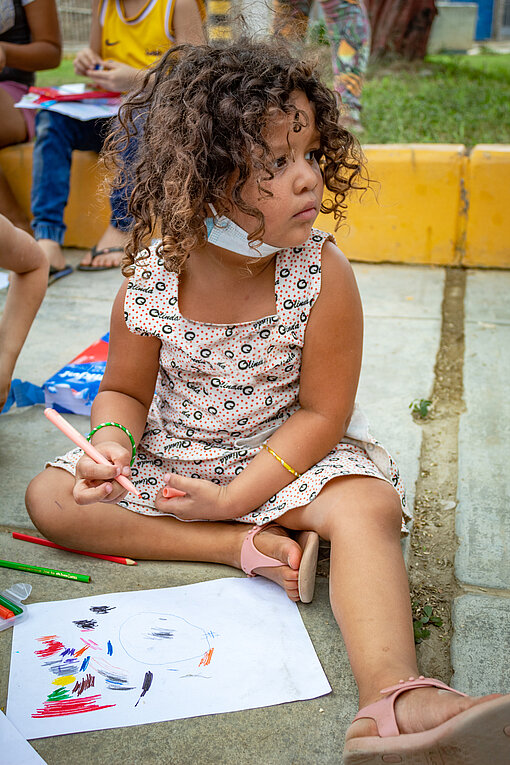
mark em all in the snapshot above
pixel 5 613
pixel 47 543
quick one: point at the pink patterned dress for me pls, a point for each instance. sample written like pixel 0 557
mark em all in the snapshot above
pixel 223 389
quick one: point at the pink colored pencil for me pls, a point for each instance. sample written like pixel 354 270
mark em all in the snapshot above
pixel 77 438
pixel 47 543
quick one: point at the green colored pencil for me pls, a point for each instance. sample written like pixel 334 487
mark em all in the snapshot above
pixel 45 571
pixel 16 610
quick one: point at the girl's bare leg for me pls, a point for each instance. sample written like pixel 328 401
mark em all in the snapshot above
pixel 110 529
pixel 370 598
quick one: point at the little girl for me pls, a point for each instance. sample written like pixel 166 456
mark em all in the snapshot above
pixel 229 393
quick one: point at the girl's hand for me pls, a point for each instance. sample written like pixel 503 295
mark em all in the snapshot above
pixel 86 59
pixel 113 76
pixel 96 483
pixel 204 500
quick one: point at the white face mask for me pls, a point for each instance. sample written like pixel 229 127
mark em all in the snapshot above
pixel 224 233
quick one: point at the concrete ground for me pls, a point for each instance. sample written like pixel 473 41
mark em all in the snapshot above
pixel 403 308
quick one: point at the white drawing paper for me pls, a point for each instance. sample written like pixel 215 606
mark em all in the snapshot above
pixel 131 658
pixel 14 749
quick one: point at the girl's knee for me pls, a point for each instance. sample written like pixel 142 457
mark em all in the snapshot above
pixel 41 497
pixel 371 503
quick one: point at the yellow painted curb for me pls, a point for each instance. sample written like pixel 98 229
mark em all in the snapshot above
pixel 410 214
pixel 488 219
pixel 427 204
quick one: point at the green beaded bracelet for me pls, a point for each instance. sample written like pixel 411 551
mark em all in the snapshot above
pixel 116 425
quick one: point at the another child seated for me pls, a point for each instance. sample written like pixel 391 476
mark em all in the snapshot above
pixel 29 42
pixel 125 38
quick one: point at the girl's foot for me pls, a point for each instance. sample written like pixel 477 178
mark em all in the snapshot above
pixel 420 710
pixel 274 542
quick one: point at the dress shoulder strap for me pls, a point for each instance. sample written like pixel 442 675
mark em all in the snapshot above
pixel 298 284
pixel 151 301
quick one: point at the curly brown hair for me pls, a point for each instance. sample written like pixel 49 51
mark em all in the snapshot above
pixel 200 114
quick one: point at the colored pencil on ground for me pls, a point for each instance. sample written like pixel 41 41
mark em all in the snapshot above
pixel 47 543
pixel 77 438
pixel 16 610
pixel 5 613
pixel 44 571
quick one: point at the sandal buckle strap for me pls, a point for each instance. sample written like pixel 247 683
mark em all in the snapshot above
pixel 382 712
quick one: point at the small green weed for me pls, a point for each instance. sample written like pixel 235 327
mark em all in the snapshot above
pixel 424 616
pixel 420 406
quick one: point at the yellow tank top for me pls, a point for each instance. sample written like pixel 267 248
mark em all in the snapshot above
pixel 140 40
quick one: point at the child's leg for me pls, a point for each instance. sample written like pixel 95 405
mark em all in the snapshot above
pixel 349 37
pixel 370 598
pixel 110 529
pixel 56 138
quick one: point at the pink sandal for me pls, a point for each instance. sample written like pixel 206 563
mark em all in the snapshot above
pixel 251 558
pixel 477 736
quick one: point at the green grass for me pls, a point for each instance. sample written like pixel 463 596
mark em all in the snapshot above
pixel 63 75
pixel 444 99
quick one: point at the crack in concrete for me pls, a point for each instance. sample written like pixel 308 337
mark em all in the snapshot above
pixel 433 540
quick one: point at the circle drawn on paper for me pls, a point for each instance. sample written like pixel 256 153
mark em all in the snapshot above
pixel 156 638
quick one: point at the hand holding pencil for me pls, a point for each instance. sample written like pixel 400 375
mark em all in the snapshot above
pixel 94 483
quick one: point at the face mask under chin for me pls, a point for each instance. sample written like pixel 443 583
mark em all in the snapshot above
pixel 223 232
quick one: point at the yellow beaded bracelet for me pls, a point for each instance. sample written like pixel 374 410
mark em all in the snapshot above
pixel 282 462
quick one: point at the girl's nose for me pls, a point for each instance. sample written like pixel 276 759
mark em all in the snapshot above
pixel 308 176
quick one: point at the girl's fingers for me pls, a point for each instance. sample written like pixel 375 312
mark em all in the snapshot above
pixel 92 471
pixel 84 494
pixel 177 485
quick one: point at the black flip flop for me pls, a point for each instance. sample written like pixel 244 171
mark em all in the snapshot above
pixel 58 273
pixel 95 253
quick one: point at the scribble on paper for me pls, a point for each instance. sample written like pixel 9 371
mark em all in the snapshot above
pixel 158 639
pixel 164 641
pixel 147 682
pixel 148 657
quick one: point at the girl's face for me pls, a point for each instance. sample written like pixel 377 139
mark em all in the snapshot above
pixel 297 184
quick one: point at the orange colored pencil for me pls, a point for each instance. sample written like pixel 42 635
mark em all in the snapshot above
pixel 47 543
pixel 5 613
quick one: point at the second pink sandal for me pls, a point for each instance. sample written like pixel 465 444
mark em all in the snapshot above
pixel 478 736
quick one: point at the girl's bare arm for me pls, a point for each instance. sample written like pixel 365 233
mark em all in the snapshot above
pixel 188 27
pixel 330 371
pixel 20 254
pixel 44 51
pixel 125 395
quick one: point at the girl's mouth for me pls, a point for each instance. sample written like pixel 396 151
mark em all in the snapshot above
pixel 309 213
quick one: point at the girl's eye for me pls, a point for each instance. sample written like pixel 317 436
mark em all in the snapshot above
pixel 280 163
pixel 314 155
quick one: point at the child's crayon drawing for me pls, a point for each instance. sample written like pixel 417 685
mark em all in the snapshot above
pixel 137 657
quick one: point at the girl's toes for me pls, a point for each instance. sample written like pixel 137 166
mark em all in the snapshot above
pixel 275 543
